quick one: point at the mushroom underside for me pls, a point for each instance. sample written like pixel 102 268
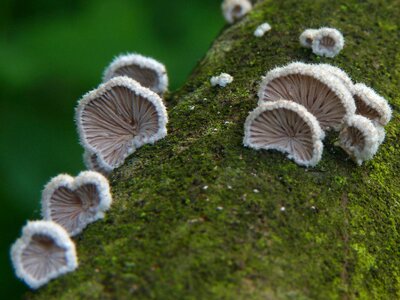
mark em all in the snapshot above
pixel 365 110
pixel 313 94
pixel 145 76
pixel 112 121
pixel 42 256
pixel 327 42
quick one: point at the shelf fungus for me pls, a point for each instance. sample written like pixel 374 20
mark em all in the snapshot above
pixel 319 91
pixel 92 163
pixel 306 37
pixel 76 202
pixel 359 138
pixel 339 73
pixel 234 10
pixel 44 252
pixel 287 127
pixel 117 118
pixel 327 42
pixel 145 70
pixel 371 105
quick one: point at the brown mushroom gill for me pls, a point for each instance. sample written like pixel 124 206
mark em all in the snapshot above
pixel 113 120
pixel 313 94
pixel 363 109
pixel 42 256
pixel 283 129
pixel 146 77
pixel 327 42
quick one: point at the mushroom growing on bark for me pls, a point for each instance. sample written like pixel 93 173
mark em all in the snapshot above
pixel 287 127
pixel 76 202
pixel 44 252
pixel 92 163
pixel 359 138
pixel 319 91
pixel 339 73
pixel 327 42
pixel 307 36
pixel 119 117
pixel 371 105
pixel 145 70
pixel 234 10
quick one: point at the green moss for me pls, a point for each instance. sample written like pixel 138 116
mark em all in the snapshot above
pixel 198 216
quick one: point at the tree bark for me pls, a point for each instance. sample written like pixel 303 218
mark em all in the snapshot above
pixel 199 216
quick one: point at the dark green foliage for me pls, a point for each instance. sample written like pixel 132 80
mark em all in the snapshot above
pixel 169 237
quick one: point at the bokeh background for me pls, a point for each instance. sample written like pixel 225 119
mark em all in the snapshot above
pixel 51 53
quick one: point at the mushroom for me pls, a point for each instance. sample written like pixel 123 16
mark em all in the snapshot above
pixel 44 252
pixel 327 42
pixel 76 202
pixel 307 36
pixel 92 163
pixel 145 70
pixel 117 118
pixel 222 80
pixel 262 29
pixel 287 127
pixel 234 10
pixel 371 105
pixel 359 138
pixel 323 94
pixel 339 73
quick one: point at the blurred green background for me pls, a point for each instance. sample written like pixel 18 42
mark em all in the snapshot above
pixel 51 53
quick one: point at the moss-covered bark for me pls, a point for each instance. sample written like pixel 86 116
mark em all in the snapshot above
pixel 198 216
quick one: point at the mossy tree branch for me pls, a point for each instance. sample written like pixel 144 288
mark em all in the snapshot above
pixel 169 237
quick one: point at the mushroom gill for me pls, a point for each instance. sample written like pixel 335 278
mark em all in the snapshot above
pixel 119 117
pixel 327 42
pixel 234 10
pixel 145 70
pixel 92 163
pixel 287 127
pixel 320 92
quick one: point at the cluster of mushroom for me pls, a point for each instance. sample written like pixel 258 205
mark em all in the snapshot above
pixel 299 102
pixel 323 42
pixel 121 115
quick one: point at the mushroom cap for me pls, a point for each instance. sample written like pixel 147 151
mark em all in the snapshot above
pixel 371 105
pixel 44 252
pixel 91 162
pixel 145 70
pixel 222 80
pixel 262 29
pixel 319 91
pixel 359 138
pixel 287 127
pixel 307 36
pixel 76 202
pixel 327 42
pixel 234 10
pixel 117 118
pixel 339 73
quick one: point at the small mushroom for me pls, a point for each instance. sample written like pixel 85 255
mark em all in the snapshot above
pixel 287 127
pixel 262 29
pixel 76 202
pixel 371 105
pixel 145 70
pixel 327 42
pixel 359 138
pixel 92 163
pixel 44 252
pixel 119 117
pixel 234 10
pixel 307 37
pixel 323 94
pixel 222 80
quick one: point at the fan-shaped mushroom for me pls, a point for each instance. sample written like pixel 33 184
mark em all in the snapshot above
pixel 327 42
pixel 92 163
pixel 359 138
pixel 145 70
pixel 75 202
pixel 306 37
pixel 287 127
pixel 119 117
pixel 371 105
pixel 44 252
pixel 323 94
pixel 234 10
pixel 339 73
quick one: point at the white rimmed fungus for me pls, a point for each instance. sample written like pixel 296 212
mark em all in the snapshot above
pixel 147 71
pixel 117 118
pixel 359 138
pixel 371 105
pixel 322 93
pixel 287 127
pixel 44 252
pixel 262 29
pixel 222 80
pixel 92 163
pixel 339 73
pixel 306 37
pixel 76 202
pixel 234 10
pixel 327 42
